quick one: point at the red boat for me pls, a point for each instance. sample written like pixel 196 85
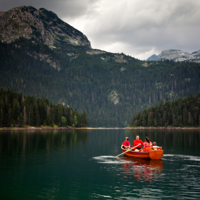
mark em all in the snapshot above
pixel 148 153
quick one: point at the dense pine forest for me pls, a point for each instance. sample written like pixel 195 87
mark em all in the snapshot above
pixel 110 92
pixel 19 110
pixel 178 113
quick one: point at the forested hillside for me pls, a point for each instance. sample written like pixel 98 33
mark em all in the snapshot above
pixel 19 110
pixel 181 112
pixel 110 87
pixel 109 91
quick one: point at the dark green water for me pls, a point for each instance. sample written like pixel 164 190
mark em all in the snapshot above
pixel 81 164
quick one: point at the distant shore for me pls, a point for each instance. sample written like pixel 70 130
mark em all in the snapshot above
pixel 36 128
pixel 168 128
pixel 88 128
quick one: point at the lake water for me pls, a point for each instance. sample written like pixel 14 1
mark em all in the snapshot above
pixel 82 164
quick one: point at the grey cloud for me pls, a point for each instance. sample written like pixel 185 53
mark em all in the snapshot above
pixel 63 8
pixel 158 25
pixel 138 28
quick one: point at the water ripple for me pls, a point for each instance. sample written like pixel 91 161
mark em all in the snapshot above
pixel 175 176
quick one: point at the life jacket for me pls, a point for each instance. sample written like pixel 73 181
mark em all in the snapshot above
pixel 147 145
pixel 126 143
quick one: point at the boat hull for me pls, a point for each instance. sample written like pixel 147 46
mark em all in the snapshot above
pixel 150 154
pixel 155 154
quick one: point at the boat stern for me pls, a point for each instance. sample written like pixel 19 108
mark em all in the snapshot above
pixel 155 154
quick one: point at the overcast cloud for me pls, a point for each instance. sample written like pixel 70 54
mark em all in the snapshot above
pixel 138 28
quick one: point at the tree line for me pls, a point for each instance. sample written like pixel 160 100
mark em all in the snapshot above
pixel 178 113
pixel 19 110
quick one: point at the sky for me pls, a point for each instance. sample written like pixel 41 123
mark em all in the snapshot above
pixel 138 28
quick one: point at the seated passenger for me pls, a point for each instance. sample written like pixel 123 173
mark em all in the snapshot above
pixel 137 142
pixel 126 144
pixel 147 143
pixel 154 144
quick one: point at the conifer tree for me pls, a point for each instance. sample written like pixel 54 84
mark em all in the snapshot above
pixel 1 117
pixel 84 120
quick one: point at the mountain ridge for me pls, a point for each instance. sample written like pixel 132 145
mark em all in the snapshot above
pixel 44 27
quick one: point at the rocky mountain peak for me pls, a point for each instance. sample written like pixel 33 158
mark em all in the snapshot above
pixel 41 24
pixel 152 58
pixel 179 56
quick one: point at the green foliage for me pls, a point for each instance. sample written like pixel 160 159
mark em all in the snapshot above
pixel 178 113
pixel 19 110
pixel 63 121
pixel 75 121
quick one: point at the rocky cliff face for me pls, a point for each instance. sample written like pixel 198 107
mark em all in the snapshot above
pixel 179 56
pixel 43 25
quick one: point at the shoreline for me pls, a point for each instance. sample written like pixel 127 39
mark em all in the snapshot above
pixel 166 128
pixel 35 128
pixel 97 128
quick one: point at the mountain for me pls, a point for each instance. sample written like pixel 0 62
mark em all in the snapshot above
pixel 42 25
pixel 110 87
pixel 152 58
pixel 179 56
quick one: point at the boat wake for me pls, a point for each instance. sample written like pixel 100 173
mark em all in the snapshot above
pixel 169 157
pixel 110 160
pixel 180 157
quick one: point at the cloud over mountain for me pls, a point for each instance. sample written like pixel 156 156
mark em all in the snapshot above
pixel 138 28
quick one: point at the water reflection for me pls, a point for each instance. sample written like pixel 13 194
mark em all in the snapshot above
pixel 139 169
pixel 142 169
pixel 14 142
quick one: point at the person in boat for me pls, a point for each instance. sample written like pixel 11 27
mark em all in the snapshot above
pixel 138 142
pixel 126 144
pixel 147 143
pixel 154 144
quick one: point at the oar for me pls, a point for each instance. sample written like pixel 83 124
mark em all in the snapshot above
pixel 128 150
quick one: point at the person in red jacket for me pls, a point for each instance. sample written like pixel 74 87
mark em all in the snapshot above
pixel 137 141
pixel 126 144
pixel 147 143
